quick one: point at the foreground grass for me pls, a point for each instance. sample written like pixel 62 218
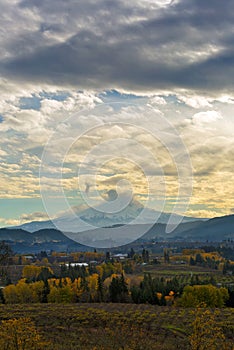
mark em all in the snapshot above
pixel 114 326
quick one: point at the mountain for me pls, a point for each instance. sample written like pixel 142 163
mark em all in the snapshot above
pixel 23 241
pixel 215 230
pixel 81 219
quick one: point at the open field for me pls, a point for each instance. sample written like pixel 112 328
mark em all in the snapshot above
pixel 115 326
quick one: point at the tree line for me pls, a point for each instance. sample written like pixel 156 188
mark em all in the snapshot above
pixel 108 283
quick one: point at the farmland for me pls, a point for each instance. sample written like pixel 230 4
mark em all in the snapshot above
pixel 115 326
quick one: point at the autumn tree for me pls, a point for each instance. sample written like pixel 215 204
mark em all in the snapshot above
pixel 209 295
pixel 93 286
pixel 37 273
pixel 61 291
pixel 24 292
pixel 207 335
pixel 20 334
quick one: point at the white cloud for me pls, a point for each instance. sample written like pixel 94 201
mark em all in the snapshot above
pixel 35 216
pixel 157 100
pixel 161 52
pixel 207 117
pixel 196 101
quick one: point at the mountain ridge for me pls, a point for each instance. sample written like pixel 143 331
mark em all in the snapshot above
pixel 81 218
pixel 216 229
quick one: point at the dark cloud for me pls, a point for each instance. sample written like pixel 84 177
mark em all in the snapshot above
pixel 112 44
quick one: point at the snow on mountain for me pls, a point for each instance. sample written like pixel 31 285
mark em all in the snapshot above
pixel 80 219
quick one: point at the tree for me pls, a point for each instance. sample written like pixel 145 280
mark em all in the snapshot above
pixel 93 286
pixel 107 256
pixel 2 299
pixel 37 273
pixel 207 335
pixel 100 290
pixel 148 289
pixel 31 272
pixel 45 274
pixel 199 259
pixel 20 334
pixel 10 294
pixel 118 289
pixel 5 253
pixel 166 254
pixel 192 261
pixel 211 296
pixel 24 292
pixel 132 253
pixel 45 292
pixel 145 255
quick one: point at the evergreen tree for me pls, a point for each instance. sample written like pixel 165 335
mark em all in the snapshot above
pixel 118 289
pixel 199 259
pixel 100 290
pixel 46 292
pixel 192 261
pixel 107 256
pixel 166 256
pixel 132 253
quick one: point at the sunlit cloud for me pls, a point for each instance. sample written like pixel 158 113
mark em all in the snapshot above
pixel 93 79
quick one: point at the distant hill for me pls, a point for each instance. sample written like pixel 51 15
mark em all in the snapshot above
pixel 22 241
pixel 216 230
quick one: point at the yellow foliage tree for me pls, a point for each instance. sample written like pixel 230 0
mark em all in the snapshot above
pixel 211 296
pixel 207 335
pixel 10 294
pixel 61 290
pixel 93 285
pixel 77 287
pixel 20 334
pixel 30 271
pixel 37 289
pixel 99 269
pixel 23 292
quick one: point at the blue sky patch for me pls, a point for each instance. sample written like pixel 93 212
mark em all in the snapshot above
pixel 30 103
pixel 61 96
pixel 35 101
pixel 116 96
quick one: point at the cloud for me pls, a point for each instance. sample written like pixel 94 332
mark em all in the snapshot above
pixel 206 117
pixel 60 60
pixel 133 46
pixel 36 216
pixel 195 101
pixel 23 218
pixel 157 100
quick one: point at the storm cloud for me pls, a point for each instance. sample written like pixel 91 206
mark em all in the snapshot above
pixel 139 46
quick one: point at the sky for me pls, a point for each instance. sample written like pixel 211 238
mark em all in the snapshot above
pixel 133 96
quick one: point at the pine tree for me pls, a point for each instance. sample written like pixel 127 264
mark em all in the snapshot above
pixel 100 290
